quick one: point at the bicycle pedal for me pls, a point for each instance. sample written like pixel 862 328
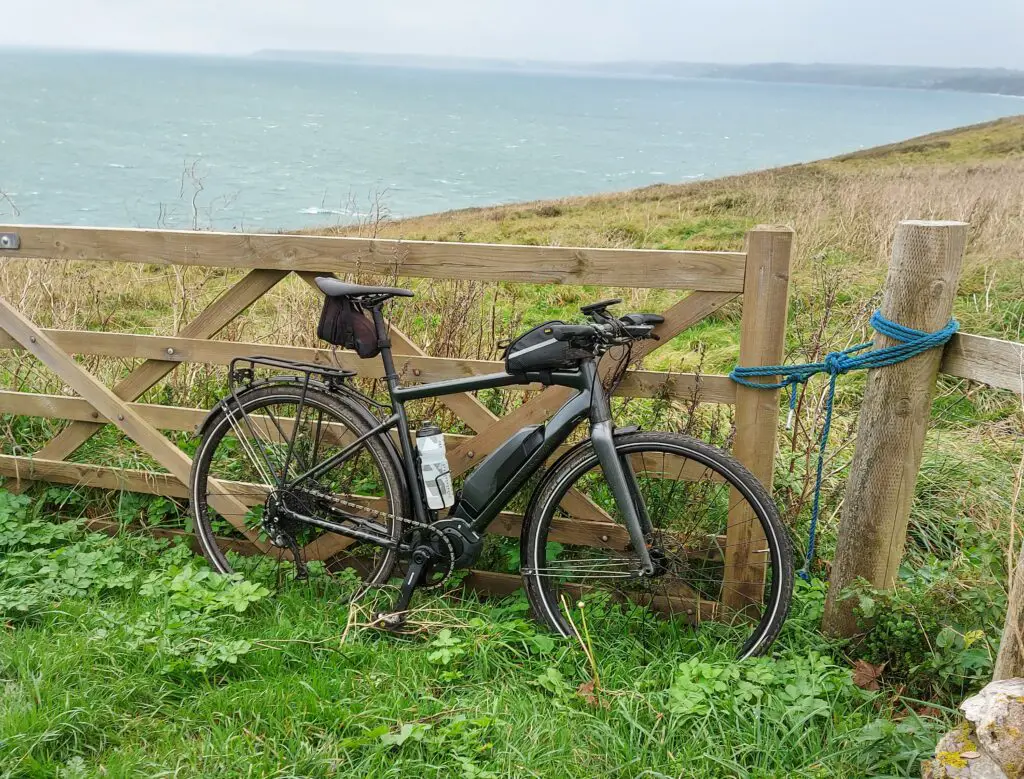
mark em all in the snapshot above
pixel 393 622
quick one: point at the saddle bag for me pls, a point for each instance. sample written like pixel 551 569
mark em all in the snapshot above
pixel 343 322
pixel 538 350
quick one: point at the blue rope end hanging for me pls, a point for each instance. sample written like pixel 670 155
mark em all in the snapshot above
pixel 911 343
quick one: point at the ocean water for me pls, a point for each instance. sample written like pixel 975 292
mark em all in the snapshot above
pixel 147 141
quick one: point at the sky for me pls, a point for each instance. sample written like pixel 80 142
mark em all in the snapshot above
pixel 981 33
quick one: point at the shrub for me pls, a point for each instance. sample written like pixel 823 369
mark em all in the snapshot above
pixel 549 210
pixel 938 631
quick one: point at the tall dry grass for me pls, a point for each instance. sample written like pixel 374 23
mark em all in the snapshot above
pixel 858 210
pixel 831 205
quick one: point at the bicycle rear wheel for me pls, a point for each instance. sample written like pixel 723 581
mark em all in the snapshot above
pixel 285 431
pixel 701 503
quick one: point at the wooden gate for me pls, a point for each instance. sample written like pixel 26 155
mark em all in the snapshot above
pixel 710 280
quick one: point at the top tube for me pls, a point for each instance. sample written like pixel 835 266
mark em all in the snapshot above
pixel 574 379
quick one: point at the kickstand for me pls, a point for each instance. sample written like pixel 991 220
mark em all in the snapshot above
pixel 394 620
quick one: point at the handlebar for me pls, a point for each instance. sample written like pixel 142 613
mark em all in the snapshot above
pixel 606 329
pixel 614 332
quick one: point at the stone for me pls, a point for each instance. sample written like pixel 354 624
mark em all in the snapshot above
pixel 997 714
pixel 990 744
pixel 951 761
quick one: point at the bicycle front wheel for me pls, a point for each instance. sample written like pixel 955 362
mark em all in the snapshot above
pixel 255 449
pixel 722 559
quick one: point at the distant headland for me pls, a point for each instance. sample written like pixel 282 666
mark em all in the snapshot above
pixel 1000 81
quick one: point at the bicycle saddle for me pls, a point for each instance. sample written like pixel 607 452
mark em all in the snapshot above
pixel 334 288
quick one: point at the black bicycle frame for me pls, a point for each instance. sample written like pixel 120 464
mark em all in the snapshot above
pixel 590 401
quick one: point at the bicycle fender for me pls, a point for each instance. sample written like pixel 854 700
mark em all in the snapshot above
pixel 364 414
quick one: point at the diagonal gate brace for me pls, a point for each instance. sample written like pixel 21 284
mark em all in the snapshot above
pixel 119 412
pixel 687 312
pixel 208 323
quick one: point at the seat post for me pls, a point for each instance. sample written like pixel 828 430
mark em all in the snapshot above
pixel 384 344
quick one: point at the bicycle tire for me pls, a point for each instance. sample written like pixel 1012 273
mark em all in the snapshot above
pixel 540 573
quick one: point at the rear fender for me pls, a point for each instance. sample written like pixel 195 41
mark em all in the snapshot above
pixel 228 401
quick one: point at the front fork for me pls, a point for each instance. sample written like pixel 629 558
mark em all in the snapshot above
pixel 619 473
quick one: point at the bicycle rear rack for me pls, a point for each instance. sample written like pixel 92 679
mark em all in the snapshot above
pixel 242 371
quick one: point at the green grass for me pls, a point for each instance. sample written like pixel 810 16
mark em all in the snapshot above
pixel 123 658
pixel 994 140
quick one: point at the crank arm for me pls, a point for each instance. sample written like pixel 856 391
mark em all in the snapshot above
pixel 421 558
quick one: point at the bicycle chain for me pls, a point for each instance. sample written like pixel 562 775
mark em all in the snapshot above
pixel 411 522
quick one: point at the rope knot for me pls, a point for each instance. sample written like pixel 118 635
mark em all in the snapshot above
pixel 910 343
pixel 838 362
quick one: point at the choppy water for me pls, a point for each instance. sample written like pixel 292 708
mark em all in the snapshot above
pixel 104 139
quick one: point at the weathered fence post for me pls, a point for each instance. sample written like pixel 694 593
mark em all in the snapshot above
pixel 762 342
pixel 1010 661
pixel 919 293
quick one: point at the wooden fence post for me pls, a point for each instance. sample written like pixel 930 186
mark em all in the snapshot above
pixel 919 293
pixel 1010 661
pixel 762 342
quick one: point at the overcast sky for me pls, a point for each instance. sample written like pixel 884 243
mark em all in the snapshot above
pixel 911 32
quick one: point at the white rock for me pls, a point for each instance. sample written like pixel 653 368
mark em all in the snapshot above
pixel 990 745
pixel 997 714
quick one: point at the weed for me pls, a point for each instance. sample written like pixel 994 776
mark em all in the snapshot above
pixel 937 632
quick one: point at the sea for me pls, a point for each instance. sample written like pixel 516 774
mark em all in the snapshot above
pixel 251 144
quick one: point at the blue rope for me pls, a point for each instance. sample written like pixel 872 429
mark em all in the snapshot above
pixel 911 343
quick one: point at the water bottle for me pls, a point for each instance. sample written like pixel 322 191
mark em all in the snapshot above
pixel 437 477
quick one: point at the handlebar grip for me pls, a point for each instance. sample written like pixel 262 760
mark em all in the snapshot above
pixel 568 332
pixel 642 319
pixel 600 305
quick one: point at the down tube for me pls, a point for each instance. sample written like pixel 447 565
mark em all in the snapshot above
pixel 558 428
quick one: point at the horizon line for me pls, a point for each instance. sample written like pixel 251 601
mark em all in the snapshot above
pixel 508 59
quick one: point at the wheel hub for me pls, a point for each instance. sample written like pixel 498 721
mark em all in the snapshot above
pixel 279 530
pixel 271 514
pixel 277 524
pixel 659 560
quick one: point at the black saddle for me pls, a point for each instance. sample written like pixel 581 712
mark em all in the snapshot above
pixel 334 288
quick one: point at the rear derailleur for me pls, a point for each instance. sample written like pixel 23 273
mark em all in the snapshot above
pixel 281 530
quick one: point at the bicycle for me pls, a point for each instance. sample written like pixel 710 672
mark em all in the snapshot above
pixel 635 522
